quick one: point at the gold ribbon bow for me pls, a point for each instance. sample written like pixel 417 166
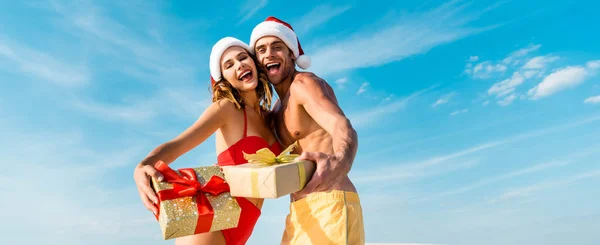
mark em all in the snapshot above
pixel 266 157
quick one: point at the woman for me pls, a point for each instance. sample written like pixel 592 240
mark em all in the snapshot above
pixel 241 99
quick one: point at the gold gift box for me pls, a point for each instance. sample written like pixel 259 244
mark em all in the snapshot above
pixel 179 217
pixel 259 181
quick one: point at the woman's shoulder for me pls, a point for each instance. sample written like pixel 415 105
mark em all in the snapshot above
pixel 225 107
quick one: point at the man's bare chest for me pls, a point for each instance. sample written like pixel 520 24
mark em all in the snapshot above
pixel 290 124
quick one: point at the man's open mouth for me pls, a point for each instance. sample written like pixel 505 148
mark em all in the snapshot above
pixel 273 68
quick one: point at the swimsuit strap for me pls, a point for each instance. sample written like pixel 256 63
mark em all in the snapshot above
pixel 245 123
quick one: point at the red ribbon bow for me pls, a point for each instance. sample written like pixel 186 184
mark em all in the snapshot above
pixel 187 185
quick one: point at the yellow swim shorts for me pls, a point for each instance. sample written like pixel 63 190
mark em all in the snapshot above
pixel 325 218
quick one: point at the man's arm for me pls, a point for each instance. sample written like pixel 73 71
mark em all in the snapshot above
pixel 310 92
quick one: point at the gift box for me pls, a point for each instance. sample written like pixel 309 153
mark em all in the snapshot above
pixel 268 176
pixel 193 201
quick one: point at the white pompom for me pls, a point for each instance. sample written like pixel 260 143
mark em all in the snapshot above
pixel 303 62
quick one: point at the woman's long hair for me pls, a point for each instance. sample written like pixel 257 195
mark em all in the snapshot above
pixel 224 90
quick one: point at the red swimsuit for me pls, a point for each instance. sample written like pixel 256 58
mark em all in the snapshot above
pixel 250 213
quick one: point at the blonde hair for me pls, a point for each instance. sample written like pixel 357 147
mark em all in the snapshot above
pixel 224 90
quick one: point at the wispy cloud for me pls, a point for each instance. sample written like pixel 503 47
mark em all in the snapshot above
pixel 491 69
pixel 250 8
pixel 528 190
pixel 592 100
pixel 136 54
pixel 44 66
pixel 540 62
pixel 86 205
pixel 462 111
pixel 506 92
pixel 507 86
pixel 317 17
pixel 485 69
pixel 362 89
pixel 341 83
pixel 438 26
pixel 514 57
pixel 182 103
pixel 565 78
pixel 365 118
pixel 444 99
pixel 566 160
pixel 594 64
pixel 133 50
pixel 399 172
pixel 507 100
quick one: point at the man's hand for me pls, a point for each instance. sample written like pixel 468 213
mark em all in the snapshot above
pixel 141 176
pixel 328 171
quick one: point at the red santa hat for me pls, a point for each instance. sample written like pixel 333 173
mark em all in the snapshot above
pixel 217 52
pixel 278 28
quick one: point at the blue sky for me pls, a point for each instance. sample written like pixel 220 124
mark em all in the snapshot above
pixel 476 120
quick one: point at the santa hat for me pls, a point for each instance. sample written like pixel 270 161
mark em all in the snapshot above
pixel 217 52
pixel 278 28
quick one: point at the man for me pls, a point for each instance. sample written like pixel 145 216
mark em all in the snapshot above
pixel 327 210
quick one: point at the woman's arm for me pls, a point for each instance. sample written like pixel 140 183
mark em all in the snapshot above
pixel 213 118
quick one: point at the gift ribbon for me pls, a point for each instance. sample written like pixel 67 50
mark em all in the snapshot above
pixel 265 157
pixel 187 185
pixel 254 185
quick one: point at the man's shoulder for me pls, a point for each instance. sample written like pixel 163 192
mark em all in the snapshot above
pixel 306 80
pixel 307 77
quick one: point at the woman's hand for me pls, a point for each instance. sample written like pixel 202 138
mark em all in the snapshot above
pixel 141 176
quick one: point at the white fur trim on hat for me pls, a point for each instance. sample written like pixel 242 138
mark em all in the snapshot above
pixel 275 27
pixel 303 61
pixel 217 52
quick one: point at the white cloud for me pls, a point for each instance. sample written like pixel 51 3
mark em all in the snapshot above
pixel 183 103
pixel 506 86
pixel 512 58
pixel 540 62
pixel 566 161
pixel 43 65
pixel 562 79
pixel 530 73
pixel 142 55
pixel 473 58
pixel 444 99
pixel 417 169
pixel 485 102
pixel 317 17
pixel 528 190
pixel 488 69
pixel 454 113
pixel 131 52
pixel 592 100
pixel 76 184
pixel 594 64
pixel 341 83
pixel 362 89
pixel 485 70
pixel 442 25
pixel 507 100
pixel 368 116
pixel 363 119
pixel 250 8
